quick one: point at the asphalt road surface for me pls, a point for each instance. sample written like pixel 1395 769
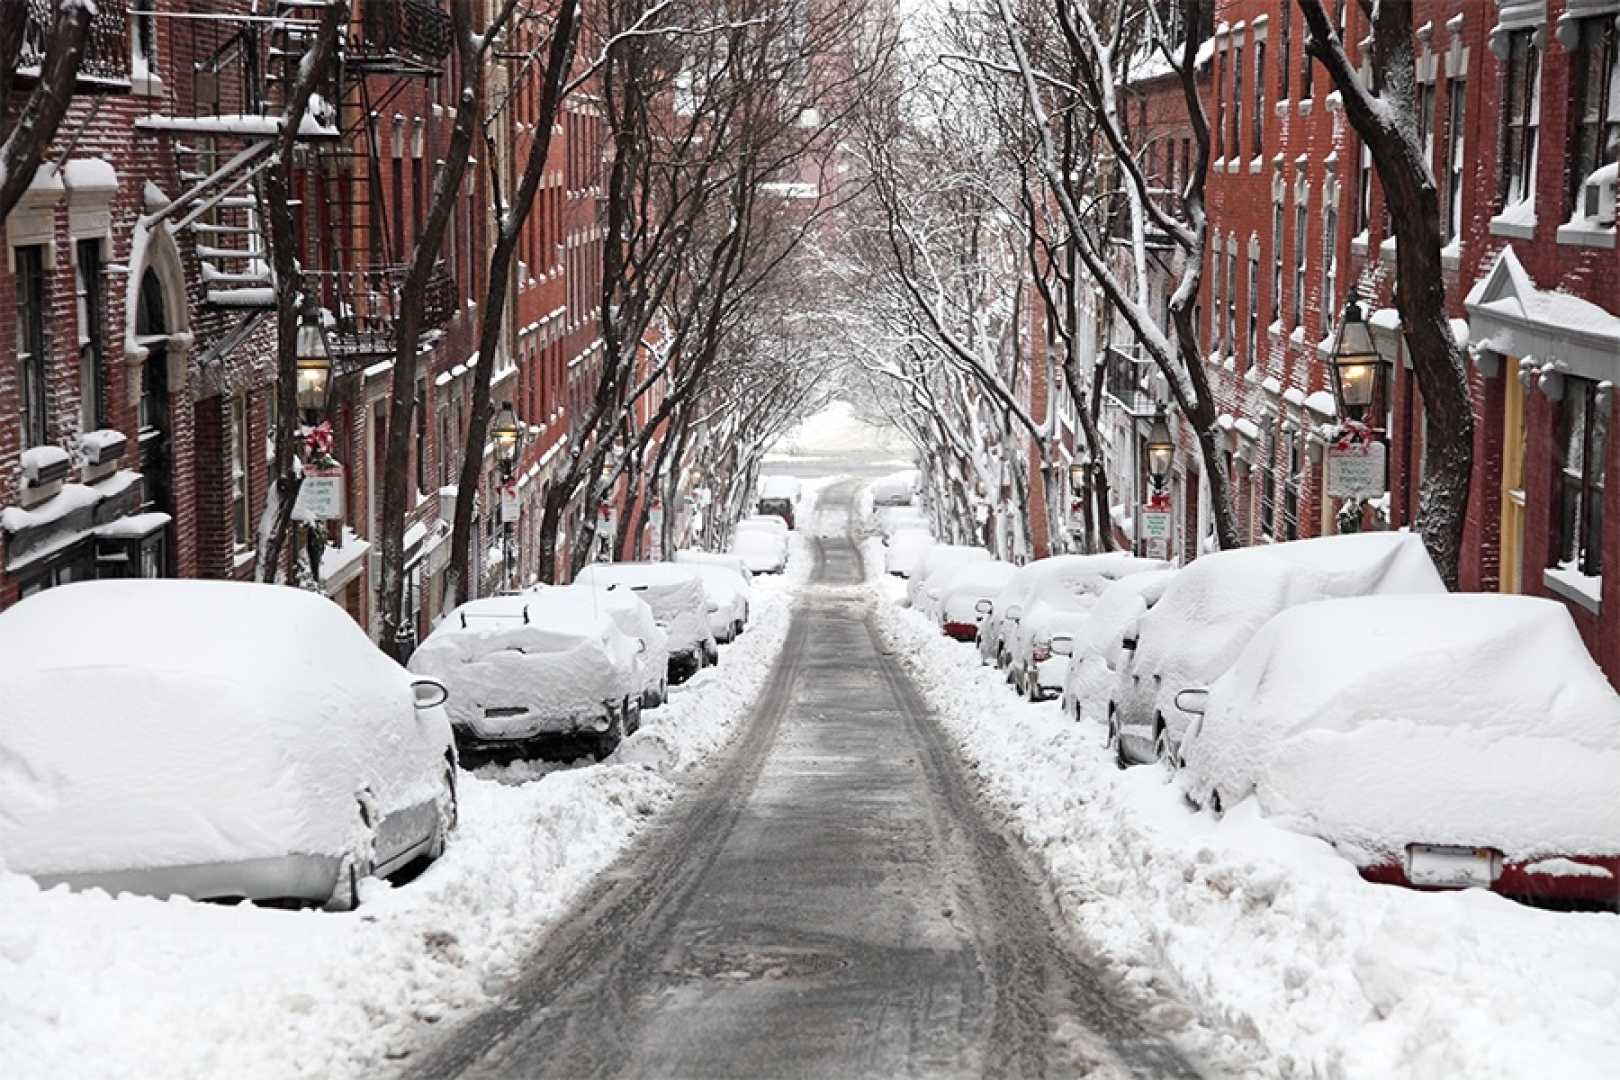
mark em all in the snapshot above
pixel 831 904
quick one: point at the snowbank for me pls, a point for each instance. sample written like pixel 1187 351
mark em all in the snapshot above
pixel 131 987
pixel 1289 964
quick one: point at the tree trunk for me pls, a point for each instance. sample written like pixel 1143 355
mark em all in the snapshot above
pixel 1387 125
pixel 492 312
pixel 25 144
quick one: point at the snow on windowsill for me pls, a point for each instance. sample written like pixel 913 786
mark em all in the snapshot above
pixel 1518 221
pixel 1359 243
pixel 1569 583
pixel 1583 232
pixel 1451 254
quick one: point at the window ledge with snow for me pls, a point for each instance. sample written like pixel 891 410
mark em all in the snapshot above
pixel 1451 255
pixel 1254 164
pixel 1386 250
pixel 1570 584
pixel 1582 232
pixel 1305 106
pixel 1517 221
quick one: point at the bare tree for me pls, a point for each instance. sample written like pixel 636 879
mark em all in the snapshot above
pixel 510 221
pixel 26 141
pixel 293 304
pixel 1383 116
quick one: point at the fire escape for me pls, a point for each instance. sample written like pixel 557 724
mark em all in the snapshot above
pixel 222 130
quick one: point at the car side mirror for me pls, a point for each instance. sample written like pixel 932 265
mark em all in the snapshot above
pixel 1192 701
pixel 885 541
pixel 983 607
pixel 1062 645
pixel 429 693
pixel 641 645
pixel 1014 613
pixel 1128 644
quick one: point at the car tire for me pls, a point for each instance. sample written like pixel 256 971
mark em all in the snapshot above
pixel 449 813
pixel 1116 743
pixel 609 740
pixel 357 863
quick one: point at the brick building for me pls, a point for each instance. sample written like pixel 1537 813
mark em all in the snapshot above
pixel 1518 108
pixel 135 415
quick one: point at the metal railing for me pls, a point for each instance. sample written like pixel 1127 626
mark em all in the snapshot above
pixel 415 29
pixel 366 305
pixel 106 59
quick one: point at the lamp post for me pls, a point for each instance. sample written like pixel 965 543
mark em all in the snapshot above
pixel 1359 372
pixel 1161 449
pixel 508 432
pixel 1356 461
pixel 313 365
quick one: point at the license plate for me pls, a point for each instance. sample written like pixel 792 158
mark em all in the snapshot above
pixel 1449 867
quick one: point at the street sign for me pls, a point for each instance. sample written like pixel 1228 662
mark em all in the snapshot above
pixel 320 496
pixel 1355 470
pixel 1156 526
pixel 511 509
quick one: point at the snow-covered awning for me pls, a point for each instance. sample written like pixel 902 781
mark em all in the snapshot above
pixel 1508 314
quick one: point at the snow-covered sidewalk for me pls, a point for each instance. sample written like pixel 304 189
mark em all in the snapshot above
pixel 92 986
pixel 1298 967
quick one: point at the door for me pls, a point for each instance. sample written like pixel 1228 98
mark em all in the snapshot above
pixel 1512 506
pixel 156 426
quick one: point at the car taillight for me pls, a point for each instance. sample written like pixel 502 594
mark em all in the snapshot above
pixel 1042 652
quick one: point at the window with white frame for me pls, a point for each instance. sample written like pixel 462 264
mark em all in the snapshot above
pixel 30 261
pixel 1301 224
pixel 1267 473
pixel 1220 102
pixel 1231 294
pixel 1582 446
pixel 1328 303
pixel 1237 102
pixel 90 307
pixel 1294 482
pixel 1456 116
pixel 1594 128
pixel 1254 300
pixel 239 471
pixel 1215 308
pixel 1521 118
pixel 1364 174
pixel 1257 135
pixel 1286 43
pixel 1276 259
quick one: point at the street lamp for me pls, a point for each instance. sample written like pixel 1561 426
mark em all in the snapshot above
pixel 1161 449
pixel 508 433
pixel 313 365
pixel 1358 367
pixel 1077 476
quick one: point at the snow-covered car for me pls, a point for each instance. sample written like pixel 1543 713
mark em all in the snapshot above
pixel 904 550
pixel 896 489
pixel 769 522
pixel 635 619
pixel 891 519
pixel 762 550
pixel 1442 741
pixel 734 563
pixel 1097 650
pixel 726 597
pixel 965 594
pixel 249 742
pixel 1220 600
pixel 781 509
pixel 1059 593
pixel 781 487
pixel 675 594
pixel 933 563
pixel 542 673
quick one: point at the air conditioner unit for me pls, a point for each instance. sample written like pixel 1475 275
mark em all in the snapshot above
pixel 1598 195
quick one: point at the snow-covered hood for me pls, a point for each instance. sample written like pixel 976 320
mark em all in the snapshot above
pixel 764 552
pixel 674 592
pixel 714 558
pixel 1466 719
pixel 213 735
pixel 529 658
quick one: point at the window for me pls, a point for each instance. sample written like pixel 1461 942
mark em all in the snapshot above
pixel 1237 102
pixel 1364 169
pixel 1276 260
pixel 1328 303
pixel 31 343
pixel 1305 65
pixel 1456 97
pixel 1215 267
pixel 1594 130
pixel 1291 485
pixel 90 304
pixel 239 472
pixel 420 415
pixel 1256 136
pixel 444 446
pixel 1220 105
pixel 143 36
pixel 1268 482
pixel 1254 303
pixel 396 205
pixel 1231 294
pixel 1286 43
pixel 1521 107
pixel 1583 440
pixel 1425 119
pixel 1299 258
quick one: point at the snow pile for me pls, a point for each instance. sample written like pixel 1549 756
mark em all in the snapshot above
pixel 139 750
pixel 1288 963
pixel 96 986
pixel 539 659
pixel 1474 720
